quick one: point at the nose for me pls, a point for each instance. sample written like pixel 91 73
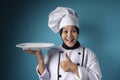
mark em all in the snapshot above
pixel 69 34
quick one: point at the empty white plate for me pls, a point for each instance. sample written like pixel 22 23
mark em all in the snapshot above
pixel 35 45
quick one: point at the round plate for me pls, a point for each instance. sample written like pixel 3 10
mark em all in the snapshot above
pixel 35 45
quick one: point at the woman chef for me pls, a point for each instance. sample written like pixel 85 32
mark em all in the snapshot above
pixel 71 60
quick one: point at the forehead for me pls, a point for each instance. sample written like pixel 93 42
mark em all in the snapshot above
pixel 69 27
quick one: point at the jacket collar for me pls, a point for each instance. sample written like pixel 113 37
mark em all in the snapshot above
pixel 77 44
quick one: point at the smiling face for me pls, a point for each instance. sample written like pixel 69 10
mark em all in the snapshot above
pixel 69 35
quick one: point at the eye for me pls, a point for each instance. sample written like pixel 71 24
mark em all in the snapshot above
pixel 65 31
pixel 74 30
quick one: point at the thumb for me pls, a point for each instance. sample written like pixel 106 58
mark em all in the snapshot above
pixel 38 49
pixel 67 57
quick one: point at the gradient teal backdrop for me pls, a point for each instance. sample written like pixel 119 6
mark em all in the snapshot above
pixel 27 21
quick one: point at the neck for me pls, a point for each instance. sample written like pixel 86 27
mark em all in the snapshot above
pixel 77 44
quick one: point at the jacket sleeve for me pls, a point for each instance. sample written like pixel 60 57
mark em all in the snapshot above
pixel 44 76
pixel 91 69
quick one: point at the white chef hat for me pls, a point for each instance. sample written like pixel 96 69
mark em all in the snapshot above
pixel 62 16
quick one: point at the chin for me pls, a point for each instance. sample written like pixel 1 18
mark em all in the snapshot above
pixel 70 45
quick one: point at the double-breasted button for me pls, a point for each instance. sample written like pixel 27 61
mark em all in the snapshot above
pixel 79 53
pixel 60 51
pixel 59 75
pixel 78 64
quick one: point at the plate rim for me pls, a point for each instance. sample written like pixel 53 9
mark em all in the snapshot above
pixel 20 45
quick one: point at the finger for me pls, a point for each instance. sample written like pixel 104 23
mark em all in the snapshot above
pixel 67 57
pixel 62 64
pixel 25 49
pixel 38 49
pixel 29 51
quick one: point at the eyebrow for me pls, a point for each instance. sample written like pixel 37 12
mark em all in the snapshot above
pixel 67 28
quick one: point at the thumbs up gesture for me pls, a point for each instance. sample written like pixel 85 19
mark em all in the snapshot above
pixel 67 64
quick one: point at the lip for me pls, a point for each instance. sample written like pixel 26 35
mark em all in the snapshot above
pixel 70 41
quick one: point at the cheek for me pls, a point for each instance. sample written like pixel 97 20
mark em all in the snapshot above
pixel 62 36
pixel 75 36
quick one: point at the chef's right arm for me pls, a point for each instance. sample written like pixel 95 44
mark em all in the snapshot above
pixel 41 69
pixel 44 75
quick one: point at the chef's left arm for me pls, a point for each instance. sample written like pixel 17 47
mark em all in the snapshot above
pixel 89 72
pixel 92 69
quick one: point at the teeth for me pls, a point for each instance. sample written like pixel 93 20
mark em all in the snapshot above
pixel 70 40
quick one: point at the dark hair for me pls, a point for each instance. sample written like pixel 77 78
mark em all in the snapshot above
pixel 75 27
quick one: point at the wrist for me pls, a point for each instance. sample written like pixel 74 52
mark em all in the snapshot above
pixel 40 57
pixel 40 60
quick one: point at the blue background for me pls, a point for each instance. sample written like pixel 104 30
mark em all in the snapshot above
pixel 27 21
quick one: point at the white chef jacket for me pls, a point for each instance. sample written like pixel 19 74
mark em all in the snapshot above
pixel 88 65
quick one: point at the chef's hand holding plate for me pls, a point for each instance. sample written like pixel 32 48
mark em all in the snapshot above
pixel 40 58
pixel 37 53
pixel 35 49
